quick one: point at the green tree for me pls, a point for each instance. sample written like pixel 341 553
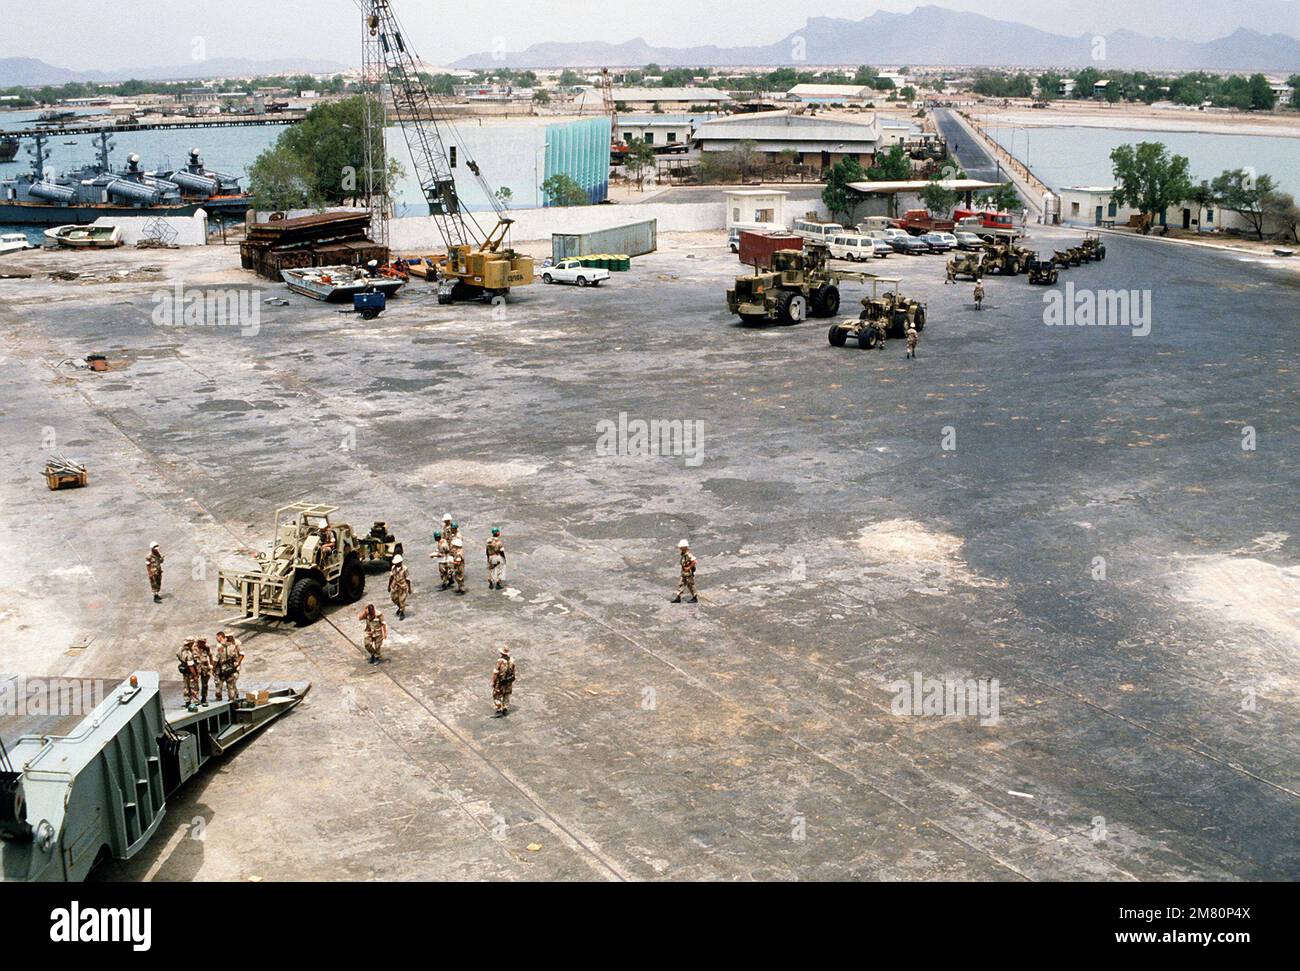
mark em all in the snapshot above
pixel 1149 179
pixel 1240 191
pixel 893 166
pixel 505 195
pixel 1004 198
pixel 1262 97
pixel 569 78
pixel 562 190
pixel 938 199
pixel 1049 86
pixel 279 179
pixel 540 97
pixel 640 156
pixel 1280 209
pixel 837 195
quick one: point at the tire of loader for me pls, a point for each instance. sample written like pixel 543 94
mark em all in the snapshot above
pixel 869 338
pixel 920 319
pixel 306 602
pixel 826 300
pixel 791 308
pixel 837 335
pixel 352 581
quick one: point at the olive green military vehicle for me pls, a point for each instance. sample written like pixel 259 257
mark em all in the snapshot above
pixel 798 286
pixel 1042 271
pixel 965 264
pixel 886 313
pixel 1001 257
pixel 312 561
pixel 1069 257
pixel 1092 246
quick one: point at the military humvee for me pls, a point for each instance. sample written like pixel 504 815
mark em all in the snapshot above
pixel 312 560
pixel 798 286
pixel 883 315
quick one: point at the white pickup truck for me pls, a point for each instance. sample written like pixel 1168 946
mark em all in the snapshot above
pixel 572 271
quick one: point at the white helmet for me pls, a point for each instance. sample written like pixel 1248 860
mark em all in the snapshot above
pixel 683 545
pixel 457 542
pixel 447 518
pixel 154 546
pixel 397 559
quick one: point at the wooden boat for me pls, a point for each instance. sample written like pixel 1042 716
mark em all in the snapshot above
pixel 338 284
pixel 86 237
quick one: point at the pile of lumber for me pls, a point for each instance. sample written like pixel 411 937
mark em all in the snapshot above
pixel 321 239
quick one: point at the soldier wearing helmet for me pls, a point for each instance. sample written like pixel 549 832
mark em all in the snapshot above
pixel 496 559
pixel 503 682
pixel 688 566
pixel 458 563
pixel 399 585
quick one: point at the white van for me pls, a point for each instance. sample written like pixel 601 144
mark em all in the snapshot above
pixel 817 232
pixel 851 246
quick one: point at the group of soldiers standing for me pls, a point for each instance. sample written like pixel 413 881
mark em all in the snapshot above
pixel 199 665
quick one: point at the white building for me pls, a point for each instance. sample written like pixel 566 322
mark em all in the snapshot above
pixel 819 140
pixel 670 99
pixel 1095 206
pixel 757 209
pixel 839 94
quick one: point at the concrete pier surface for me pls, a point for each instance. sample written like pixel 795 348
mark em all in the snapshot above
pixel 1089 534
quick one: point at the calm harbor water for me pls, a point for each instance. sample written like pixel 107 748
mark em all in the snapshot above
pixel 1064 157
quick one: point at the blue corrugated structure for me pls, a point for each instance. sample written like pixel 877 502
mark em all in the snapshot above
pixel 580 150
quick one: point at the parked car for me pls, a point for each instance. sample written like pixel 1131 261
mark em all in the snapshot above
pixel 935 243
pixel 889 235
pixel 882 248
pixel 968 241
pixel 733 240
pixel 572 271
pixel 948 238
pixel 909 245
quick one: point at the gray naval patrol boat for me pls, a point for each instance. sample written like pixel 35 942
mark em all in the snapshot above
pixel 84 195
pixel 85 778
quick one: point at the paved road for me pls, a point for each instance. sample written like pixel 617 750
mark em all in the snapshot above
pixel 972 155
pixel 1067 511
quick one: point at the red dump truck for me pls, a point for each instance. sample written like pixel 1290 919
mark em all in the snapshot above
pixel 918 222
pixel 756 249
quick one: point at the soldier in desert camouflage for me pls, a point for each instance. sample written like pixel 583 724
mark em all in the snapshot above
pixel 226 664
pixel 503 682
pixel 496 559
pixel 376 632
pixel 399 585
pixel 154 567
pixel 188 664
pixel 688 565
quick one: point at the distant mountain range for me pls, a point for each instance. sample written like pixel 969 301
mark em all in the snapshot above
pixel 27 71
pixel 927 35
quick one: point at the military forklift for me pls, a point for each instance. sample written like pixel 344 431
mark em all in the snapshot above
pixel 799 285
pixel 1069 257
pixel 312 561
pixel 886 313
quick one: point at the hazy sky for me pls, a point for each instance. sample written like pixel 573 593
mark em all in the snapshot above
pixel 98 34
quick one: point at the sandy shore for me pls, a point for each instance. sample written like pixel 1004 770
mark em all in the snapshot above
pixel 1141 118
